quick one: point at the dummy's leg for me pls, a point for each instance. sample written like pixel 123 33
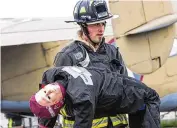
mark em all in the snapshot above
pixel 136 119
pixel 134 95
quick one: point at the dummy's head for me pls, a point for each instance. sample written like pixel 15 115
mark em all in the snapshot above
pixel 49 95
pixel 91 15
pixel 47 102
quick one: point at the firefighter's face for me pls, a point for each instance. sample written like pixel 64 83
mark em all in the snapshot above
pixel 96 31
pixel 48 99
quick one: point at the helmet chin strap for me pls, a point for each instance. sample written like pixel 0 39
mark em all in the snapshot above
pixel 86 32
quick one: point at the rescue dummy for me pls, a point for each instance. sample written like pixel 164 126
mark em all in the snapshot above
pixel 89 93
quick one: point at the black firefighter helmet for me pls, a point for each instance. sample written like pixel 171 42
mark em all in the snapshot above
pixel 90 11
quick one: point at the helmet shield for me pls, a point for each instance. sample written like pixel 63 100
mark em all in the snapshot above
pixel 100 10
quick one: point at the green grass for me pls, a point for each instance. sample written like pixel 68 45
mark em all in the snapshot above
pixel 169 123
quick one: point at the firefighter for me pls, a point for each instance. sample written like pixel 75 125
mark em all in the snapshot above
pixel 88 50
pixel 92 92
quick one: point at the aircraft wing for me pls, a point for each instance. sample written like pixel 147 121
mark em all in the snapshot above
pixel 37 30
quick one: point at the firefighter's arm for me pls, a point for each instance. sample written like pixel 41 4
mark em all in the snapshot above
pixel 62 59
pixel 119 57
pixel 84 114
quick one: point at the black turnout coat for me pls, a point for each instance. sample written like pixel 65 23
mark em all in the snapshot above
pixel 93 92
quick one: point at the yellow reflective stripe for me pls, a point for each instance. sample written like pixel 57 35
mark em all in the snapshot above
pixel 115 123
pixel 119 119
pixel 10 122
pixel 100 119
pixel 63 112
pixel 101 122
pixel 100 125
pixel 124 118
pixel 97 123
pixel 68 123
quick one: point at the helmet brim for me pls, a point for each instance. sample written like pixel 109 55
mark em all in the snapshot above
pixel 94 22
pixel 100 21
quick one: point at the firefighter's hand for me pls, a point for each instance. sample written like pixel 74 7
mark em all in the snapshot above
pixel 49 95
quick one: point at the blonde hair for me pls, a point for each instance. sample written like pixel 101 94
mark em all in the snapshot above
pixel 80 33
